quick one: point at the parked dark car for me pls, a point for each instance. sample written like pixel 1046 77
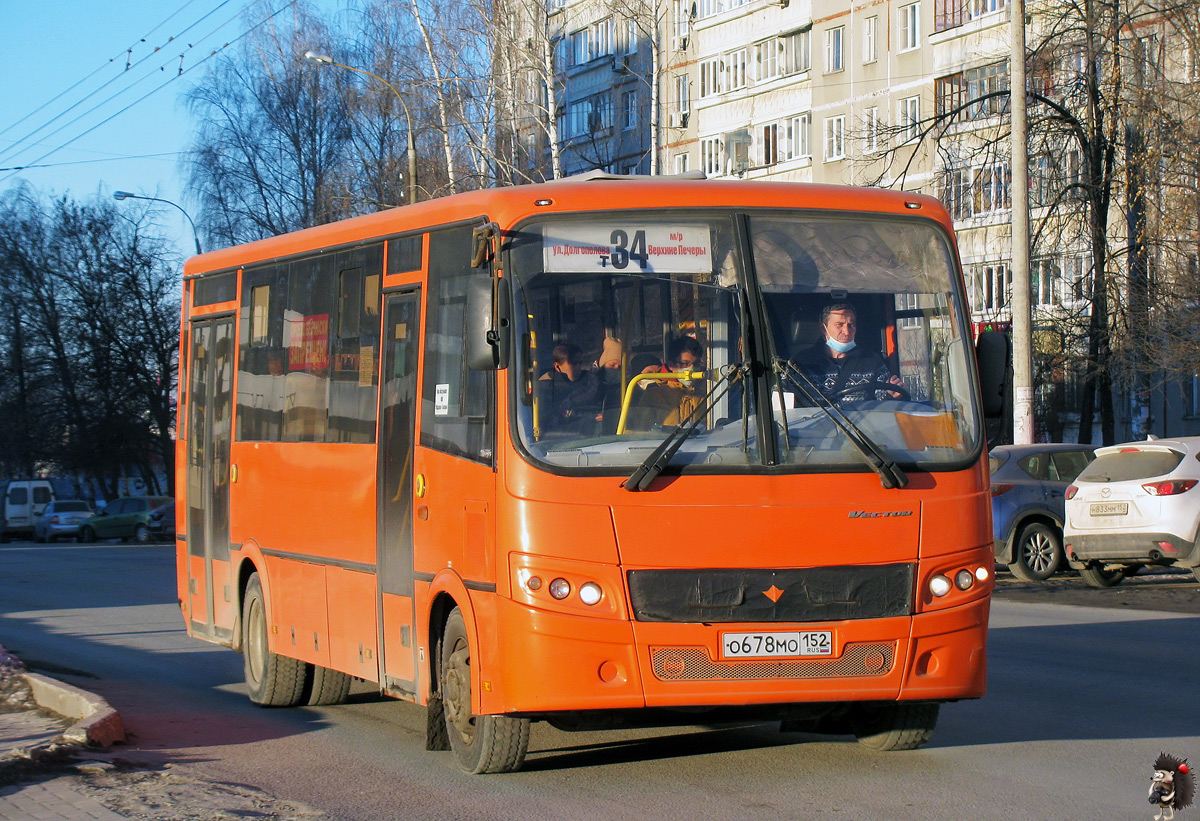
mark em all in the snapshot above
pixel 1029 484
pixel 162 521
pixel 125 518
pixel 60 519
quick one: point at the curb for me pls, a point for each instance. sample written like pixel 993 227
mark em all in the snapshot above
pixel 96 722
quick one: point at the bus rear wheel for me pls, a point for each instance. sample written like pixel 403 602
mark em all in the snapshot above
pixel 481 744
pixel 896 726
pixel 326 686
pixel 274 680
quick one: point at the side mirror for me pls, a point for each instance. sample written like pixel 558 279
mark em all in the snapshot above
pixel 993 352
pixel 486 325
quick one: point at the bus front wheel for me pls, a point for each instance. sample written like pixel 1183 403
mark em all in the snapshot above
pixel 895 726
pixel 274 680
pixel 481 744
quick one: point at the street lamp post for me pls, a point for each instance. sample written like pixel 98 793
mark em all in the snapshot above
pixel 325 59
pixel 125 195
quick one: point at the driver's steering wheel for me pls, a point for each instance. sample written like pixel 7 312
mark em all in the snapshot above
pixel 874 385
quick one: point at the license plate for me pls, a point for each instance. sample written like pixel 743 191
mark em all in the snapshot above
pixel 1109 508
pixel 774 645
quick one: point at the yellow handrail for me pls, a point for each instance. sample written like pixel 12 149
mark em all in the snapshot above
pixel 655 377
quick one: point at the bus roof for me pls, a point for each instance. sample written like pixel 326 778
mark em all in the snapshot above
pixel 583 193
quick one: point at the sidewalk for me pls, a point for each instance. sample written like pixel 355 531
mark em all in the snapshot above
pixel 39 719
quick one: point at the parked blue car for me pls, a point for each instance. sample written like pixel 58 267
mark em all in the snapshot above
pixel 1029 484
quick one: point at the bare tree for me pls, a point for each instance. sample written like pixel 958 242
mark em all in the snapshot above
pixel 272 136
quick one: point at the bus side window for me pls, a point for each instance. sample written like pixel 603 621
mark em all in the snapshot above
pixel 458 404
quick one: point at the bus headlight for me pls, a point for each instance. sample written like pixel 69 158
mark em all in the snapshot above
pixel 939 585
pixel 560 588
pixel 590 593
pixel 963 579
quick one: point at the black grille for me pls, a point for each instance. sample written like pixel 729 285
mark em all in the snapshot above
pixel 766 595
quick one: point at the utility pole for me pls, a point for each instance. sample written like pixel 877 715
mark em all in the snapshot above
pixel 1022 331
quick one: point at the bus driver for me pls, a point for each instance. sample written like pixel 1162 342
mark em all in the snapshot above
pixel 837 364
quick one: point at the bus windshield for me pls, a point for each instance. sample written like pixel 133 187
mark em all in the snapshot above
pixel 631 325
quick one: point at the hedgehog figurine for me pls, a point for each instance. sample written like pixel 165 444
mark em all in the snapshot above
pixel 1172 787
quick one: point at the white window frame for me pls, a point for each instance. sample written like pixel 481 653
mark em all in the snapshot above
pixel 871 129
pixel 835 51
pixel 769 153
pixel 910 118
pixel 580 47
pixel 908 28
pixel 798 135
pixel 736 63
pixel 870 50
pixel 712 156
pixel 602 38
pixel 767 54
pixel 835 138
pixel 682 163
pixel 629 107
pixel 797 51
pixel 682 100
pixel 710 77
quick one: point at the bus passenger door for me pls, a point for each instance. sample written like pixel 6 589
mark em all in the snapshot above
pixel 210 417
pixel 397 431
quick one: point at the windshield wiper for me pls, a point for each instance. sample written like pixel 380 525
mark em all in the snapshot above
pixel 661 456
pixel 889 472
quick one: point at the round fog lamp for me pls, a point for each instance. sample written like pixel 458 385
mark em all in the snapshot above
pixel 590 593
pixel 560 588
pixel 963 580
pixel 939 586
pixel 534 582
pixel 981 573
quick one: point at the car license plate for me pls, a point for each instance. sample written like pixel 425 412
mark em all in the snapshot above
pixel 773 645
pixel 1109 508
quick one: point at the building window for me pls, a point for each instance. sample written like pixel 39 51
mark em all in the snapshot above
pixel 629 107
pixel 681 94
pixel 835 138
pixel 833 49
pixel 770 144
pixel 797 51
pixel 682 15
pixel 870 26
pixel 710 77
pixel 950 94
pixel 1077 278
pixel 682 163
pixel 735 65
pixel 991 287
pixel 910 27
pixel 910 118
pixel 602 43
pixel 631 36
pixel 712 155
pixel 707 8
pixel 956 195
pixel 580 52
pixel 986 80
pixel 1044 279
pixel 871 129
pixel 798 136
pixel 993 188
pixel 767 55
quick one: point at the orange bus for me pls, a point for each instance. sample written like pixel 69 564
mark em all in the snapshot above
pixel 560 453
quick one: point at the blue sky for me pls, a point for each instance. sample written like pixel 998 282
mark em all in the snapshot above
pixel 69 104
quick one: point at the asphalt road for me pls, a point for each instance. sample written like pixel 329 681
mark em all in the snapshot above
pixel 1080 701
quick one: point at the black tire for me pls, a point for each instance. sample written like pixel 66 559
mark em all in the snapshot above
pixel 326 686
pixel 274 680
pixel 1037 553
pixel 1097 576
pixel 141 534
pixel 894 726
pixel 86 534
pixel 481 744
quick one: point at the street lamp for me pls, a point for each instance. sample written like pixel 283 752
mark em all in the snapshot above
pixel 325 59
pixel 125 195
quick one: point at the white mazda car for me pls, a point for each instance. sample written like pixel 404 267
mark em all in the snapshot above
pixel 1136 504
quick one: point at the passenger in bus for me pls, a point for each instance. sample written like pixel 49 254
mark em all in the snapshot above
pixel 836 364
pixel 671 401
pixel 569 393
